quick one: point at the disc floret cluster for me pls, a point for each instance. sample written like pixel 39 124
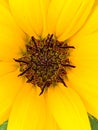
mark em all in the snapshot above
pixel 45 62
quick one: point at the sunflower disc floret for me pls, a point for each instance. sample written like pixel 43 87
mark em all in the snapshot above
pixel 45 62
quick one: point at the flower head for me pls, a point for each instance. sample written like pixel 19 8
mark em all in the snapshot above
pixel 48 64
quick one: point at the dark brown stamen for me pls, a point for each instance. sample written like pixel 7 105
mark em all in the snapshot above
pixel 29 80
pixel 62 81
pixel 42 90
pixel 24 71
pixel 68 65
pixel 33 39
pixel 18 60
pixel 67 47
pixel 48 40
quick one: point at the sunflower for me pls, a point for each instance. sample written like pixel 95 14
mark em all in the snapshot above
pixel 48 64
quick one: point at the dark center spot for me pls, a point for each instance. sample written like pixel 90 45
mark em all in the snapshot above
pixel 45 62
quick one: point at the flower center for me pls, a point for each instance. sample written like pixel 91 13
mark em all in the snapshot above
pixel 45 62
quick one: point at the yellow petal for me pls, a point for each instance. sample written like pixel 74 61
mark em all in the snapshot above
pixel 30 15
pixel 84 78
pixel 12 39
pixel 10 85
pixel 6 67
pixel 4 3
pixel 11 42
pixel 28 112
pixel 50 123
pixel 91 24
pixel 67 108
pixel 72 17
pixel 54 9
